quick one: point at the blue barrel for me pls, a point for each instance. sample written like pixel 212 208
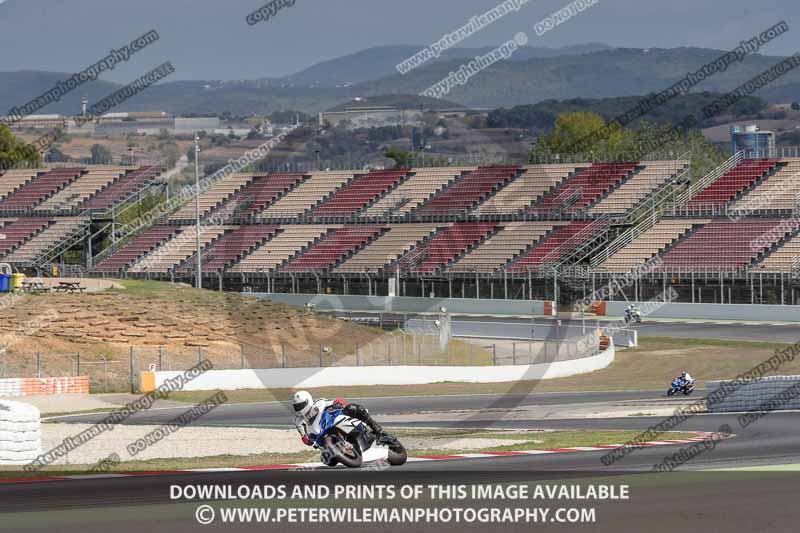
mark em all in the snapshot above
pixel 4 282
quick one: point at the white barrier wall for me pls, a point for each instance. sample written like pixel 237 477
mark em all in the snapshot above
pixel 385 375
pixel 768 393
pixel 20 433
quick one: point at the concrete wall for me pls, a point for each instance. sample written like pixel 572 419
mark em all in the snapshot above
pixel 20 433
pixel 383 375
pixel 327 302
pixel 403 304
pixel 768 393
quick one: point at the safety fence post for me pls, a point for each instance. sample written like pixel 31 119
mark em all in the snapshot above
pixel 133 390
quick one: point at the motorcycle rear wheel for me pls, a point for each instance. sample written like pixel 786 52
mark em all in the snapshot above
pixel 336 446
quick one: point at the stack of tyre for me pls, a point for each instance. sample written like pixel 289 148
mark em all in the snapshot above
pixel 20 433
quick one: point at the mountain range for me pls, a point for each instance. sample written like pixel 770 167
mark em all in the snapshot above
pixel 531 75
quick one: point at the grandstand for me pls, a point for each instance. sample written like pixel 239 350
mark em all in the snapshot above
pixel 304 197
pixel 422 184
pixel 467 191
pixel 525 224
pixel 32 193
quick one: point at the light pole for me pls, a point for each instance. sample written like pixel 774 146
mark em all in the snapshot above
pixel 199 282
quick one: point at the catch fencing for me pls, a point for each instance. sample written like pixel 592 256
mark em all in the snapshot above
pixel 119 371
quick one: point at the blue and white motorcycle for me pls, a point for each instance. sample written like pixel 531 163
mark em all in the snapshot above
pixel 350 442
pixel 681 386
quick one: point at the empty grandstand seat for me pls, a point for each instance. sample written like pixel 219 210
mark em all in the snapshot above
pixel 19 231
pixel 562 241
pixel 13 179
pixel 649 244
pixel 533 183
pixel 122 188
pixel 387 248
pixel 171 253
pixel 724 245
pixel 500 248
pixel 230 247
pixel 467 191
pixel 214 195
pixel 306 195
pixel 359 192
pixel 780 191
pixel 141 244
pixel 287 243
pixel 61 228
pixel 39 189
pixel 419 187
pixel 648 177
pixel 449 244
pixel 726 187
pixel 333 248
pixel 258 194
pixel 584 188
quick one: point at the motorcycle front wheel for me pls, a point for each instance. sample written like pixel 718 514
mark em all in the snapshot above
pixel 670 392
pixel 342 451
pixel 397 455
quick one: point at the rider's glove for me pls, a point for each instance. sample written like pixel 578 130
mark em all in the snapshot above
pixel 306 440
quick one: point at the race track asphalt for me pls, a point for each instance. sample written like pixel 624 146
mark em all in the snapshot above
pixel 766 332
pixel 706 499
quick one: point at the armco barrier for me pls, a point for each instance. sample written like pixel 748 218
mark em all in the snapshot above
pixel 38 386
pixel 404 304
pixel 20 433
pixel 755 395
pixel 380 375
pixel 746 312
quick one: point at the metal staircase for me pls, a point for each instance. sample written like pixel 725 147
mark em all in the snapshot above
pixel 46 257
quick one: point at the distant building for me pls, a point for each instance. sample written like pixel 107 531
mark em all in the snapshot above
pixel 39 122
pixel 753 140
pixel 371 116
pixel 191 125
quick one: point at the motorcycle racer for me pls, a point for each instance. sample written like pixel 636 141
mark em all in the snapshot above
pixel 309 410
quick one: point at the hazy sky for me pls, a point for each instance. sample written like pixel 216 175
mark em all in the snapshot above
pixel 209 39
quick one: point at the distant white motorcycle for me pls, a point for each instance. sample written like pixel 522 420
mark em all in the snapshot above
pixel 632 317
pixel 349 441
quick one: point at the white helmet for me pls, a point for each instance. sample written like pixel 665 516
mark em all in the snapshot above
pixel 302 402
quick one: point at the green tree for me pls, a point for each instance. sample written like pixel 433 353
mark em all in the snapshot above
pixel 582 133
pixel 12 151
pixel 54 155
pixel 401 158
pixel 100 155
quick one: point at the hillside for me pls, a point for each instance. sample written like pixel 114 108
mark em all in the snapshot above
pixel 521 81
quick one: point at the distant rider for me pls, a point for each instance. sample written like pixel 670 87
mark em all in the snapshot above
pixel 686 378
pixel 630 311
pixel 308 411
